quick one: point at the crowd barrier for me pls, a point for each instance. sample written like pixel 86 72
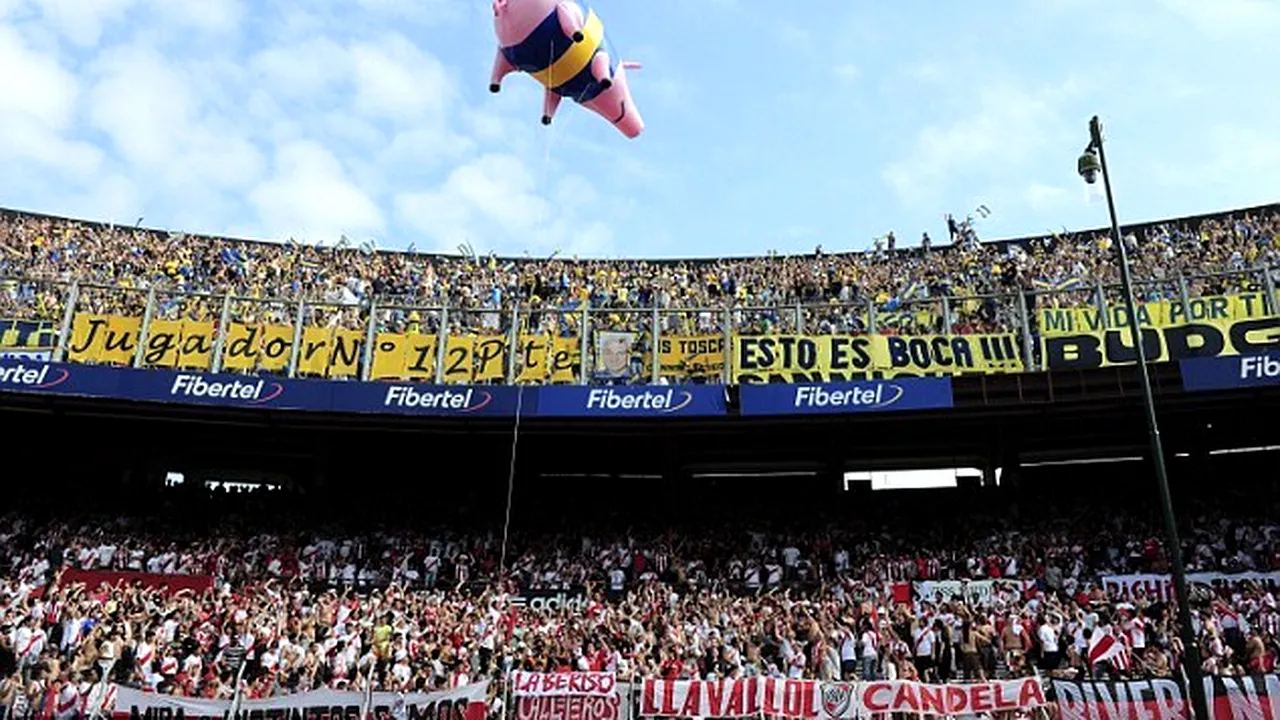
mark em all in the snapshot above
pixel 597 696
pixel 602 696
pixel 469 702
pixel 518 345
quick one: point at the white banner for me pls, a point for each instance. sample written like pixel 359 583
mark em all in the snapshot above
pixel 469 702
pixel 595 684
pixel 1160 587
pixel 974 592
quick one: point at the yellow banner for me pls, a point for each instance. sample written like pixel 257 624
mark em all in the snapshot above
pixel 696 357
pixel 109 339
pixel 533 359
pixel 540 359
pixel 1089 350
pixel 187 344
pixel 566 360
pixel 833 358
pixel 1162 314
pixel 403 357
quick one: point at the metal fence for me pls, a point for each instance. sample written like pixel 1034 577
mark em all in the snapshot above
pixel 523 343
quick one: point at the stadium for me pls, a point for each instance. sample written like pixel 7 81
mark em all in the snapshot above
pixel 1002 479
pixel 579 485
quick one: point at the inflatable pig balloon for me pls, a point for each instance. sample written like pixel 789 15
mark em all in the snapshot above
pixel 553 42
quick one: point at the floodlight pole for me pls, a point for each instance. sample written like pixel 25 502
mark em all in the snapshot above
pixel 1190 647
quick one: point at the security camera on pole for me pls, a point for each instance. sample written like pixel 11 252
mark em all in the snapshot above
pixel 1092 164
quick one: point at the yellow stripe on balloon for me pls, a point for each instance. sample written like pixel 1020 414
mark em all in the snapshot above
pixel 576 58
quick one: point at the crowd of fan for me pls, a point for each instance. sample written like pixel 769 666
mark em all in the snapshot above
pixel 411 610
pixel 842 284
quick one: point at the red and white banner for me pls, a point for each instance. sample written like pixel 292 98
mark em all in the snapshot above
pixel 567 696
pixel 93 579
pixel 465 703
pixel 811 700
pixel 570 707
pixel 1160 587
pixel 1255 697
pixel 924 699
pixel 730 698
pixel 532 684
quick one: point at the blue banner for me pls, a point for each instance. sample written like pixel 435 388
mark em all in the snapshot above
pixel 248 391
pixel 630 401
pixel 1226 373
pixel 418 399
pixel 848 397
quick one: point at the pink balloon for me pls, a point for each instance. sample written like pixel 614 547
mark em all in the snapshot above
pixel 564 50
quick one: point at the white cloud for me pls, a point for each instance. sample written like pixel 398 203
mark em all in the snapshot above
pixel 846 71
pixel 213 16
pixel 1042 197
pixel 1006 127
pixel 497 187
pixel 38 99
pixel 1229 17
pixel 428 12
pixel 496 202
pixel 310 196
pixel 1229 151
pixel 82 21
pixel 395 80
pixel 156 122
pixel 35 83
pixel 302 69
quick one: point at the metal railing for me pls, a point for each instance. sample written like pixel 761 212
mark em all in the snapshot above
pixel 522 343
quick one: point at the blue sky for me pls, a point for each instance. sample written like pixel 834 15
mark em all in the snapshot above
pixel 770 127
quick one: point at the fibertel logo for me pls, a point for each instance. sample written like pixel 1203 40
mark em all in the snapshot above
pixel 33 378
pixel 663 401
pixel 875 395
pixel 1258 367
pixel 460 401
pixel 253 393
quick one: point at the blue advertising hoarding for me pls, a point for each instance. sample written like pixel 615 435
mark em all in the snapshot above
pixel 847 397
pixel 398 398
pixel 1227 373
pixel 247 391
pixel 631 401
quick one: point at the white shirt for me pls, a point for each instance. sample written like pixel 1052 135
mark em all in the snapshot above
pixel 848 648
pixel 1138 634
pixel 869 649
pixel 105 554
pixel 1048 638
pixel 924 642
